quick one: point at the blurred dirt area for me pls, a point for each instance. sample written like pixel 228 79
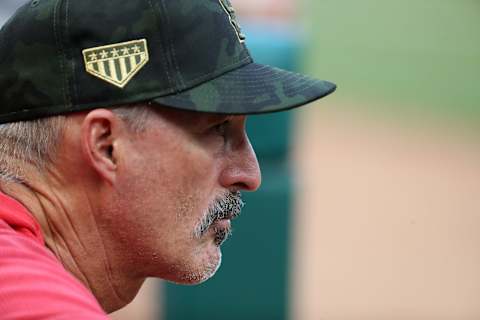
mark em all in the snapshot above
pixel 386 219
pixel 146 306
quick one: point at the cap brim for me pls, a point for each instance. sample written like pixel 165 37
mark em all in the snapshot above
pixel 250 89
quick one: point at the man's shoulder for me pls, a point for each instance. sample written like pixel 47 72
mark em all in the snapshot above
pixel 30 275
pixel 16 246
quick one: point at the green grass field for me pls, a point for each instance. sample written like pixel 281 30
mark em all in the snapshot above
pixel 409 57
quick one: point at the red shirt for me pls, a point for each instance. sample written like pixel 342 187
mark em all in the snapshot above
pixel 33 283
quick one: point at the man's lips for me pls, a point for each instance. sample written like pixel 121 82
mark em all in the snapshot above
pixel 224 220
pixel 222 224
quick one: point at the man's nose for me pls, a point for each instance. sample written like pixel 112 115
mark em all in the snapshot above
pixel 242 171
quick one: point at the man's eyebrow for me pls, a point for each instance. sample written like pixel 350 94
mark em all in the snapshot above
pixel 214 118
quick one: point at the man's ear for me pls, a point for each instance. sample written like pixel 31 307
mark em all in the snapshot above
pixel 100 132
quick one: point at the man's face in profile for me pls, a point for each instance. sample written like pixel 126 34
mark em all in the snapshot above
pixel 179 189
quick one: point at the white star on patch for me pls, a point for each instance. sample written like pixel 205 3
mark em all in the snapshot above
pixel 104 54
pixel 93 57
pixel 114 52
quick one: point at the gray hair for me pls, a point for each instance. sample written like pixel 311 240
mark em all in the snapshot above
pixel 35 142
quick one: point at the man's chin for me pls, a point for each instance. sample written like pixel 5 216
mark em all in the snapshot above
pixel 201 274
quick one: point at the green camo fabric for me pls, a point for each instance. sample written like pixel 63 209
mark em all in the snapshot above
pixel 196 50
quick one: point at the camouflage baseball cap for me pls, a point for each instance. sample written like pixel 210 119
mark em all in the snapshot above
pixel 60 56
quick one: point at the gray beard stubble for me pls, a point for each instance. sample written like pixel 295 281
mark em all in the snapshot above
pixel 229 205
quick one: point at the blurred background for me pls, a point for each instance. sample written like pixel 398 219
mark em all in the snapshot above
pixel 370 207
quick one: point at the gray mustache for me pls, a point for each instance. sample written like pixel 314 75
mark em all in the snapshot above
pixel 228 206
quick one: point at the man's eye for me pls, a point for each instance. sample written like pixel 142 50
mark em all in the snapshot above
pixel 221 128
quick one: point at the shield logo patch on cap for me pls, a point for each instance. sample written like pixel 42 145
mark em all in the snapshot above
pixel 117 63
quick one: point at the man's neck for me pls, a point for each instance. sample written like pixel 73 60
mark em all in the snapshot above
pixel 71 234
